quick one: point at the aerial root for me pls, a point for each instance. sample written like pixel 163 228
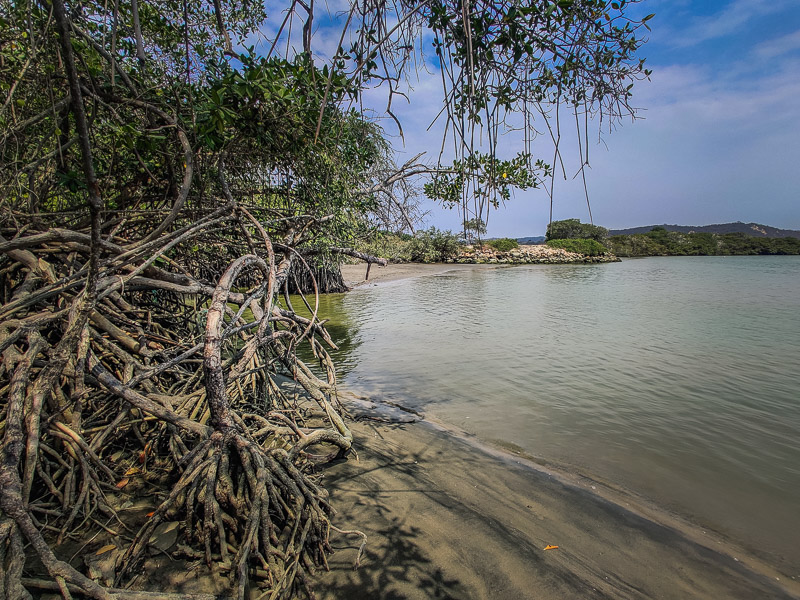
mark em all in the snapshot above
pixel 108 400
pixel 250 517
pixel 362 535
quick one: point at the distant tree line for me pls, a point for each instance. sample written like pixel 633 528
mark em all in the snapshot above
pixel 660 242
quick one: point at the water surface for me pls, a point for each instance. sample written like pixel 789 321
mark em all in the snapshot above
pixel 677 378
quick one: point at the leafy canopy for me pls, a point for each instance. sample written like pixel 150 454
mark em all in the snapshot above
pixel 181 104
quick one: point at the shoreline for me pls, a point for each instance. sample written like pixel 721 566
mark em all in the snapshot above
pixel 353 274
pixel 378 275
pixel 450 515
pixel 447 515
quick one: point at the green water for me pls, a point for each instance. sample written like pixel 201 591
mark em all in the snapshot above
pixel 677 378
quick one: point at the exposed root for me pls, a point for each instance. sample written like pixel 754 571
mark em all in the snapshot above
pixel 105 396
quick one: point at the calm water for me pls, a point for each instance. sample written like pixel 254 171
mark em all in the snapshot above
pixel 678 378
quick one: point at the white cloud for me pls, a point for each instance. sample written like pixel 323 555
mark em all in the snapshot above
pixel 708 99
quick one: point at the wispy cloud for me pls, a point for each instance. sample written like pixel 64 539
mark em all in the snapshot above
pixel 733 18
pixel 779 46
pixel 679 91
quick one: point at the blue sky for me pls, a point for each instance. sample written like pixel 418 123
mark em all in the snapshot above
pixel 718 139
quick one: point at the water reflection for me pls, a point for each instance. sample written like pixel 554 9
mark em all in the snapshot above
pixel 572 274
pixel 342 328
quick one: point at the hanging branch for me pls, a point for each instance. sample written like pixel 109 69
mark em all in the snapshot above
pixel 137 33
pixel 223 31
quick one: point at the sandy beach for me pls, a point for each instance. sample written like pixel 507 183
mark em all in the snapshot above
pixel 447 517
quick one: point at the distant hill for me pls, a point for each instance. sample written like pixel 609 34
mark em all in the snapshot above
pixel 754 229
pixel 539 239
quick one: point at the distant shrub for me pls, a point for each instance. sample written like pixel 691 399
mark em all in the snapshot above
pixel 474 228
pixel 393 246
pixel 503 244
pixel 660 242
pixel 585 247
pixel 574 229
pixel 433 245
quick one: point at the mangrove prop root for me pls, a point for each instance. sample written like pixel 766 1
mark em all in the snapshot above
pixel 126 374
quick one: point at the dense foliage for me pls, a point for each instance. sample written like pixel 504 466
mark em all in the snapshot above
pixel 660 242
pixel 503 244
pixel 574 229
pixel 258 123
pixel 396 247
pixel 585 246
pixel 433 245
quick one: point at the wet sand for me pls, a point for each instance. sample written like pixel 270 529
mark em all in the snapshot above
pixel 446 518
